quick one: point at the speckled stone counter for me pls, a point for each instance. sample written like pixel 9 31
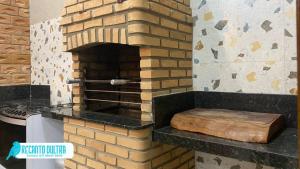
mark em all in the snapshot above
pixel 281 152
pixel 32 98
pixel 32 106
pixel 103 118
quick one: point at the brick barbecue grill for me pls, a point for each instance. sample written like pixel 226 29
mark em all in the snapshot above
pixel 127 52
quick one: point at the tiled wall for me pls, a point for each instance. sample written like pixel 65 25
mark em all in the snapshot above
pixel 14 42
pixel 209 161
pixel 244 46
pixel 50 66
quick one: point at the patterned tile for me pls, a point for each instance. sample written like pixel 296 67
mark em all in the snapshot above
pixel 50 66
pixel 209 161
pixel 245 46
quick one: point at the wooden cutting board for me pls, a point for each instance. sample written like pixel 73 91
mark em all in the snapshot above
pixel 229 124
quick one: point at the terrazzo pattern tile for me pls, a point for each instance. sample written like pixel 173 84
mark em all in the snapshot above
pixel 209 161
pixel 50 66
pixel 245 46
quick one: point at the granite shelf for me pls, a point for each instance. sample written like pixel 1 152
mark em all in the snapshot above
pixel 97 117
pixel 281 152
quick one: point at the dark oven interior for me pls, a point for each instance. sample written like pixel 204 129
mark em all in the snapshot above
pixel 106 62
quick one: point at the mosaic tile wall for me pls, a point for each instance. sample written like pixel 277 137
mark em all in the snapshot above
pixel 245 46
pixel 50 66
pixel 208 161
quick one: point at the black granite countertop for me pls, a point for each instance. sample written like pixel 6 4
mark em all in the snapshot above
pixel 26 103
pixel 104 118
pixel 35 99
pixel 57 112
pixel 281 152
pixel 31 106
pixel 29 98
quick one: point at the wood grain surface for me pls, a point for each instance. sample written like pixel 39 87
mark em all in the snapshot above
pixel 229 124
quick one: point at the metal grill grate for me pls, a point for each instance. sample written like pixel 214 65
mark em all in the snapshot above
pixel 110 80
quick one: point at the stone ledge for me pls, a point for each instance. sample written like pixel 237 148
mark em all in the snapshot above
pixel 281 152
pixel 100 118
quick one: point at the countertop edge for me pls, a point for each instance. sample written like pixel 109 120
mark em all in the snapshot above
pixel 246 154
pixel 108 120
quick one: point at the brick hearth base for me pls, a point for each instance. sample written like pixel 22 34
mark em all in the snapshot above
pixel 106 147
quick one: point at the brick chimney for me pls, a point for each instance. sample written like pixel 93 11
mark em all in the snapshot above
pixel 162 31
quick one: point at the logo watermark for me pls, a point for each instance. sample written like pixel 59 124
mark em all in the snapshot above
pixel 41 151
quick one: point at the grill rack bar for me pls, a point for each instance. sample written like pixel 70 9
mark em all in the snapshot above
pixel 112 81
pixel 110 91
pixel 113 101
